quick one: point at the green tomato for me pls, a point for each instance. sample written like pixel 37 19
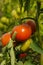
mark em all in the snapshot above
pixel 5 20
pixel 26 45
pixel 1 25
pixel 18 9
pixel 14 14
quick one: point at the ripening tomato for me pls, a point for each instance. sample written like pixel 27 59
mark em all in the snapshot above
pixel 5 38
pixel 23 32
pixel 32 24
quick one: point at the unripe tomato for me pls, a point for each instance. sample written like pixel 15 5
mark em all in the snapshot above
pixel 26 45
pixel 32 24
pixel 14 14
pixel 22 9
pixel 5 38
pixel 1 25
pixel 23 32
pixel 18 9
pixel 5 20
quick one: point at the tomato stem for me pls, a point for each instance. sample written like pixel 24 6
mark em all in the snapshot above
pixel 27 18
pixel 42 56
pixel 38 30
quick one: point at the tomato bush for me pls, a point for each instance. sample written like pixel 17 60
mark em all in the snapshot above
pixel 26 19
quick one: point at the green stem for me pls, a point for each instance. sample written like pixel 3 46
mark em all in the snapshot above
pixel 3 62
pixel 12 53
pixel 37 22
pixel 42 56
pixel 12 56
pixel 38 30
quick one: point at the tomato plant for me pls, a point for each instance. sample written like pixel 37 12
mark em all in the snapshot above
pixel 5 38
pixel 24 45
pixel 23 32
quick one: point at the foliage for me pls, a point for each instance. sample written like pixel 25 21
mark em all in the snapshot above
pixel 16 12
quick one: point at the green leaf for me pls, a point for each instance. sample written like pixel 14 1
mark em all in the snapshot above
pixel 36 47
pixel 21 2
pixel 20 63
pixel 11 52
pixel 28 63
pixel 3 62
pixel 14 35
pixel 27 5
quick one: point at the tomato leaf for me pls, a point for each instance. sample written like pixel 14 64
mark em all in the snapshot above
pixel 28 63
pixel 14 35
pixel 27 5
pixel 11 52
pixel 36 47
pixel 20 63
pixel 21 2
pixel 3 62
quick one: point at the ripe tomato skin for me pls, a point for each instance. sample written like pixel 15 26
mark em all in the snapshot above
pixel 32 24
pixel 22 55
pixel 5 38
pixel 23 32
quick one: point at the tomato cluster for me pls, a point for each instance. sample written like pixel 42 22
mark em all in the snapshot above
pixel 24 32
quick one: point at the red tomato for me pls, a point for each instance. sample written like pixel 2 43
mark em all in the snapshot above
pixel 22 55
pixel 23 32
pixel 5 38
pixel 32 24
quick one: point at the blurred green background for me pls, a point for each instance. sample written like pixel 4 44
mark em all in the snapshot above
pixel 11 11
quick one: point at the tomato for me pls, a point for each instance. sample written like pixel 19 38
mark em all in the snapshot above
pixel 23 32
pixel 5 38
pixel 14 14
pixel 1 25
pixel 18 9
pixel 26 45
pixel 22 55
pixel 32 24
pixel 4 20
